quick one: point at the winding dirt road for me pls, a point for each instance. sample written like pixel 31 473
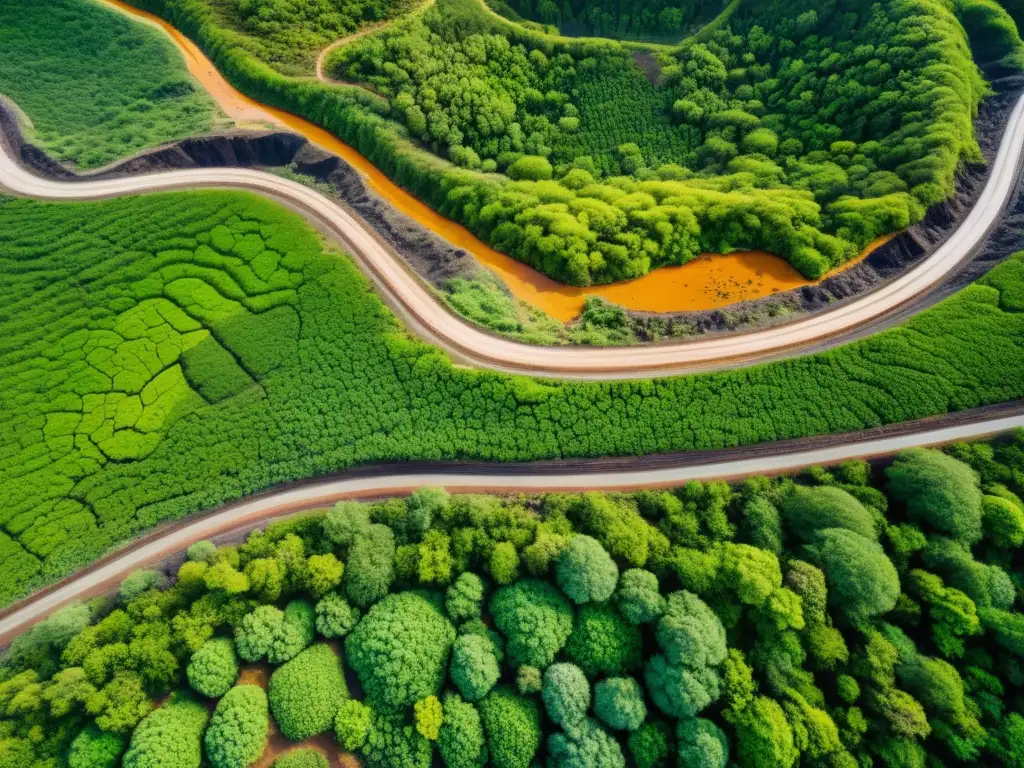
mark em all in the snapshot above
pixel 650 472
pixel 468 344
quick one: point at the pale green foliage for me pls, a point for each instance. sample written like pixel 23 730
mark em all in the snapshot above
pixel 587 746
pixel 278 635
pixel 504 562
pixel 400 649
pixel 529 679
pixel 370 564
pixel 512 726
pixel 421 508
pixel 1003 521
pixel 170 737
pixel 535 619
pixel 324 573
pixel 201 551
pixel 213 668
pixel 352 724
pixel 638 597
pixel 862 581
pixel 586 572
pixel 334 616
pixel 763 735
pixel 474 669
pixel 137 582
pixel 464 597
pixel 619 703
pixel 566 695
pixel 809 510
pixel 306 692
pixel 938 490
pixel 238 729
pixel 461 741
pixel 346 521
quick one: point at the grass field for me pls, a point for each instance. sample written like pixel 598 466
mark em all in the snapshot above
pixel 160 355
pixel 96 85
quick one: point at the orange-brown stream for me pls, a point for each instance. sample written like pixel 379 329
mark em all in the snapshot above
pixel 710 282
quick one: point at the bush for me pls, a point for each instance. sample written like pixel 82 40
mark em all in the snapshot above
pixel 529 680
pixel 530 168
pixel 323 574
pixel 400 649
pixel 809 510
pixel 169 737
pixel 619 703
pixel 566 695
pixel 428 716
pixel 464 598
pixel 603 643
pixel 938 490
pixel 137 582
pixel 213 668
pixel 302 758
pixel 535 620
pixel 461 742
pixel 335 617
pixel 650 745
pixel 370 566
pixel 306 692
pixel 93 748
pixel 862 581
pixel 393 744
pixel 238 729
pixel 512 726
pixel 345 522
pixel 638 598
pixel 701 743
pixel 586 572
pixel 258 631
pixel 588 746
pixel 201 551
pixel 1003 521
pixel 504 562
pixel 352 724
pixel 474 669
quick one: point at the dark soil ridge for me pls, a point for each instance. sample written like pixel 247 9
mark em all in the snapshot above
pixel 436 261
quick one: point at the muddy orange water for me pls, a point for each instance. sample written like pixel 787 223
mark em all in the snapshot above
pixel 709 282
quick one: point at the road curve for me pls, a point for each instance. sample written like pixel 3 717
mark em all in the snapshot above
pixel 438 325
pixel 105 575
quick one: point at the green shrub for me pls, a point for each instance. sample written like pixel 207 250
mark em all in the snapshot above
pixel 566 695
pixel 512 726
pixel 302 758
pixel 638 597
pixel 1003 522
pixel 619 703
pixel 862 581
pixel 587 746
pixel 461 742
pixel 586 572
pixel 529 680
pixel 603 643
pixel 93 748
pixel 334 616
pixel 213 668
pixel 504 562
pixel 201 551
pixel 370 568
pixel 393 744
pixel 400 649
pixel 701 742
pixel 474 669
pixel 306 692
pixel 464 598
pixel 352 724
pixel 137 582
pixel 809 510
pixel 938 490
pixel 763 736
pixel 530 169
pixel 170 737
pixel 535 620
pixel 650 745
pixel 238 729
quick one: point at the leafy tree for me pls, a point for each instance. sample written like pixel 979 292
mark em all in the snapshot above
pixel 137 582
pixel 394 744
pixel 763 735
pixel 650 745
pixel 213 668
pixel 1003 522
pixel 370 568
pixel 302 758
pixel 566 695
pixel 335 617
pixel 170 736
pixel 346 522
pixel 400 648
pixel 619 703
pixel 602 642
pixel 238 729
pixel 93 748
pixel 352 724
pixel 306 692
pixel 586 572
pixel 464 598
pixel 504 562
pixel 429 716
pixel 762 524
pixel 201 551
pixel 638 597
pixel 530 168
pixel 938 490
pixel 810 510
pixel 862 581
pixel 529 680
pixel 223 576
pixel 535 619
pixel 258 632
pixel 474 669
pixel 324 573
pixel 461 741
pixel 588 745
pixel 701 744
pixel 121 703
pixel 512 727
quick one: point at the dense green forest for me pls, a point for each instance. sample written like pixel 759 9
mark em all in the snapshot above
pixel 804 129
pixel 850 616
pixel 95 85
pixel 629 19
pixel 166 353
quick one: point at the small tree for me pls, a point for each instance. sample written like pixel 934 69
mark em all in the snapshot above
pixel 464 598
pixel 638 597
pixel 213 668
pixel 238 730
pixel 566 695
pixel 335 617
pixel 352 724
pixel 586 572
pixel 938 490
pixel 619 703
pixel 474 669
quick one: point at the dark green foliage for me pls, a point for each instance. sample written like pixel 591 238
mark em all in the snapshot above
pixel 809 510
pixel 603 643
pixel 352 724
pixel 939 491
pixel 96 85
pixel 587 745
pixel 566 695
pixel 650 745
pixel 400 649
pixel 306 692
pixel 302 758
pixel 93 748
pixel 334 616
pixel 862 582
pixel 648 19
pixel 474 669
pixel 512 726
pixel 535 619
pixel 701 743
pixel 638 598
pixel 619 703
pixel 586 572
pixel 464 597
pixel 238 729
pixel 170 737
pixel 213 668
pixel 461 742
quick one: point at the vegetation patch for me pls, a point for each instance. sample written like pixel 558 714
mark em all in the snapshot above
pixel 710 624
pixel 106 432
pixel 96 85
